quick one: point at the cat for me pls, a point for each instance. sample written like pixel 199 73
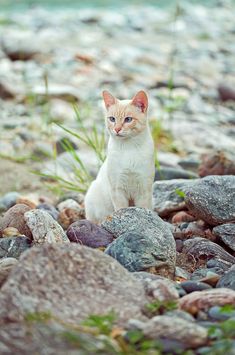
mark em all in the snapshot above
pixel 126 176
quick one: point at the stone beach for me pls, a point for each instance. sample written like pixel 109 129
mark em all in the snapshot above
pixel 155 281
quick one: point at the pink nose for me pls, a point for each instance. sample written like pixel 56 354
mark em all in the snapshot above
pixel 118 129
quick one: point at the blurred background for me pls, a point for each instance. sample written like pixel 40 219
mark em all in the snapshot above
pixel 57 56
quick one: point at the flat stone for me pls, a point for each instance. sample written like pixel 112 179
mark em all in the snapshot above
pixel 47 274
pixel 49 209
pixel 144 241
pixel 87 233
pixel 44 228
pixel 226 232
pixel 168 196
pixel 212 199
pixel 219 314
pixel 13 247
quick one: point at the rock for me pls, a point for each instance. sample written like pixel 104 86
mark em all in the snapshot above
pixel 228 279
pixel 100 285
pixel 226 232
pixel 162 290
pixel 14 217
pixel 26 202
pixel 6 264
pixel 87 233
pixel 226 93
pixel 168 196
pixel 7 91
pixel 78 197
pixel 166 173
pixel 182 216
pixel 219 314
pixel 61 91
pixel 200 247
pixel 144 241
pixel 68 203
pixel 212 199
pixel 203 300
pixel 181 273
pixel 189 163
pixel 69 215
pixel 44 228
pixel 8 200
pixel 49 209
pixel 12 247
pixel 187 333
pixel 217 163
pixel 180 314
pixel 191 286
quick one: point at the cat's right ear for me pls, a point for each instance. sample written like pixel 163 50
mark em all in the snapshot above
pixel 109 99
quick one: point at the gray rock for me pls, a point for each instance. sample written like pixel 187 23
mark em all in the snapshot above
pixel 44 228
pixel 6 264
pixel 212 199
pixel 12 247
pixel 191 286
pixel 173 328
pixel 226 232
pixel 218 313
pixel 144 241
pixel 228 279
pixel 49 209
pixel 71 282
pixel 168 196
pixel 8 200
pixel 166 173
pixel 87 233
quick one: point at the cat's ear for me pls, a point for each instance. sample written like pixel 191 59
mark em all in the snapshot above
pixel 140 100
pixel 109 99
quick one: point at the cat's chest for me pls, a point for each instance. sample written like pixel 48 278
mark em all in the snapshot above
pixel 129 166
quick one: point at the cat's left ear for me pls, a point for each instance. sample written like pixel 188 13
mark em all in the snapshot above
pixel 140 100
pixel 109 99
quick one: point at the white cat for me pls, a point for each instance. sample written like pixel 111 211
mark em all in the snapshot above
pixel 126 176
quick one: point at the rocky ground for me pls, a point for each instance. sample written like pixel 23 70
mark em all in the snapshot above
pixel 144 282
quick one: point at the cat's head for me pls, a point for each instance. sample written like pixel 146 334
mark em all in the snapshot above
pixel 126 118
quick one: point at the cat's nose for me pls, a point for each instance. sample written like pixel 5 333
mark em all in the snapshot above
pixel 117 129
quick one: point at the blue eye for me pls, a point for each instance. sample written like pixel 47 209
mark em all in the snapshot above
pixel 112 119
pixel 128 119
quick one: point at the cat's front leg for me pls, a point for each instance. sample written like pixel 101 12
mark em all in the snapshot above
pixel 119 199
pixel 144 199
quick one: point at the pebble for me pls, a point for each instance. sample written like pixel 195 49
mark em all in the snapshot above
pixel 87 233
pixel 8 200
pixel 44 228
pixel 49 209
pixel 69 215
pixel 219 314
pixel 217 163
pixel 14 217
pixel 191 286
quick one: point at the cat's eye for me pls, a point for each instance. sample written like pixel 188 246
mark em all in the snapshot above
pixel 111 119
pixel 128 119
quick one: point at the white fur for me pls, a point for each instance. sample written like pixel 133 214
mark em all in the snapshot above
pixel 126 174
